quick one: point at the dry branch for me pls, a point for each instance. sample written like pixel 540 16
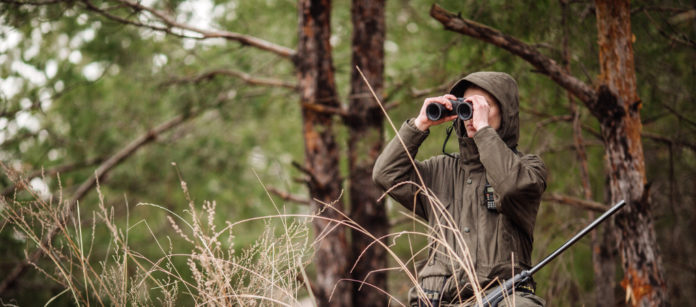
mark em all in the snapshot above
pixel 170 25
pixel 289 197
pixel 241 38
pixel 576 202
pixel 677 38
pixel 663 139
pixel 431 90
pixel 233 73
pixel 513 45
pixel 326 109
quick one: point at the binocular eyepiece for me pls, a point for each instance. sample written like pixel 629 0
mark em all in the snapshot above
pixel 463 109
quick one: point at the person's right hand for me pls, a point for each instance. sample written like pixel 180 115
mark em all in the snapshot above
pixel 423 123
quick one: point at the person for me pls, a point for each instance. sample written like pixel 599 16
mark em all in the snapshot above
pixel 481 204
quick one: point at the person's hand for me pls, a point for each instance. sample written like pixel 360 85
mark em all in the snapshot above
pixel 481 109
pixel 423 123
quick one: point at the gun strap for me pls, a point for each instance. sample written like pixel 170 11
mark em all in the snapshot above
pixel 449 133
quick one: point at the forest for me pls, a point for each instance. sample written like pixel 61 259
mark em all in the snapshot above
pixel 221 152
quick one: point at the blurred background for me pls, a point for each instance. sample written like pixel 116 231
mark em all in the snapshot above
pixel 82 82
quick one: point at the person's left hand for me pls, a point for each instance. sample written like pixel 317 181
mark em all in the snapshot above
pixel 481 110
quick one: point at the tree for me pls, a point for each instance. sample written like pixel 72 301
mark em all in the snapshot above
pixel 81 80
pixel 319 104
pixel 365 142
pixel 616 105
pixel 315 73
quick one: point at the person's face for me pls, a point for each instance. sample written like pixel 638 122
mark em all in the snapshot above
pixel 493 111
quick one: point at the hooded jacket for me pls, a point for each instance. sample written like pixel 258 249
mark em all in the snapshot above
pixel 460 222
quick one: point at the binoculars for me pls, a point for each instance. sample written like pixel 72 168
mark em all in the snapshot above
pixel 463 109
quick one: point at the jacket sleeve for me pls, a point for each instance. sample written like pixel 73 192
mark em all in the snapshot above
pixel 518 181
pixel 394 167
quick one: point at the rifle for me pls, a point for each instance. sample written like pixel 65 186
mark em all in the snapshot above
pixel 496 296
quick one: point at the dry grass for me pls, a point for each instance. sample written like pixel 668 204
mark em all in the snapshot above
pixel 264 273
pixel 268 272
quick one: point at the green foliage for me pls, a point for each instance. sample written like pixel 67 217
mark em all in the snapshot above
pixel 78 87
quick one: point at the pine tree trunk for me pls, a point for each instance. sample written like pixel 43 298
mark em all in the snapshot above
pixel 603 263
pixel 315 73
pixel 619 115
pixel 365 142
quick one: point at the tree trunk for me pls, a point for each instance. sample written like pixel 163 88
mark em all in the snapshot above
pixel 618 110
pixel 315 74
pixel 601 243
pixel 364 122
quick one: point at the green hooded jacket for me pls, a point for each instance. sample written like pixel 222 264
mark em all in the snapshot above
pixel 489 236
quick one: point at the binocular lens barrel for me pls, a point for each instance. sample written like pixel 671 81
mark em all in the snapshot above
pixel 463 109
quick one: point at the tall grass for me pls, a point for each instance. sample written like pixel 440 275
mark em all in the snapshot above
pixel 265 272
pixel 271 271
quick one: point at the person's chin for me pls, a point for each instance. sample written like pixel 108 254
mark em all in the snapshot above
pixel 470 132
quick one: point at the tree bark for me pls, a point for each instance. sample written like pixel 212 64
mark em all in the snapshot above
pixel 601 243
pixel 621 129
pixel 315 74
pixel 365 141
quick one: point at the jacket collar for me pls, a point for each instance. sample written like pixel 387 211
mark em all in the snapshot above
pixel 468 153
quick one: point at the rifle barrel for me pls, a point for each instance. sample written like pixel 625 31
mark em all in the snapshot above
pixel 577 237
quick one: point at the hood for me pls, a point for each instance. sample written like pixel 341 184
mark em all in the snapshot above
pixel 504 88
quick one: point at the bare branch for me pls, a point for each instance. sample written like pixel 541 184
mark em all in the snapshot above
pixel 289 197
pixel 681 39
pixel 678 114
pixel 308 172
pixel 541 62
pixel 663 139
pixel 241 38
pixel 576 202
pixel 574 147
pixel 553 119
pixel 321 108
pixel 238 74
pixel 429 91
pixel 170 24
